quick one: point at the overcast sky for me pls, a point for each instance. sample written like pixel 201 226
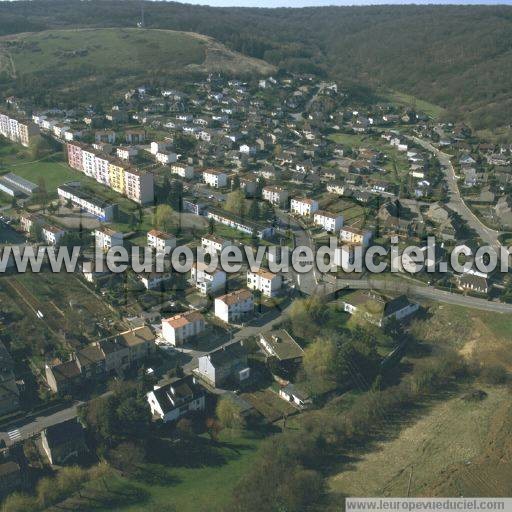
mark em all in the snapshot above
pixel 306 3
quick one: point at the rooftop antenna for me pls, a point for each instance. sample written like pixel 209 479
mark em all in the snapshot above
pixel 141 23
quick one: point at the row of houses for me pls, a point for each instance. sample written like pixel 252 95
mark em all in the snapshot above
pixel 117 175
pixel 100 359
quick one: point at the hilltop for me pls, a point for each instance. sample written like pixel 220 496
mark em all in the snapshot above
pixel 89 62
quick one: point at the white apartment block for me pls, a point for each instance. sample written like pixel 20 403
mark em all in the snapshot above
pixel 127 152
pixel 97 207
pixel 277 196
pixel 158 147
pixel 234 307
pixel 166 158
pixel 23 132
pixel 331 222
pixel 213 243
pixel 106 238
pixel 355 236
pixel 52 234
pixel 183 170
pixel 101 173
pixel 215 179
pixel 207 281
pixel 159 241
pixel 179 328
pixel 89 163
pixel 303 206
pixel 264 281
pixel 139 186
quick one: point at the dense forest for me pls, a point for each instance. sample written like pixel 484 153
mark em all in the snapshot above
pixel 459 57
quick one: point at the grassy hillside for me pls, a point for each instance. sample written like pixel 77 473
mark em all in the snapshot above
pixel 93 61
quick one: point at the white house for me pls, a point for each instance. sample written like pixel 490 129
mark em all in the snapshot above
pixel 179 328
pixel 127 152
pixel 213 243
pixel 234 307
pixel 176 399
pixel 166 158
pixel 277 196
pixel 52 234
pixel 264 281
pixel 207 281
pixel 153 280
pixel 331 222
pixel 215 179
pixel 355 236
pixel 183 170
pixel 303 206
pixel 159 241
pixel 106 238
pixel 158 147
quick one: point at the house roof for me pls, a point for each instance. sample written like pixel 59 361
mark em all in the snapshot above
pixel 8 468
pixel 282 344
pixel 227 354
pixel 64 432
pixel 177 392
pixel 65 371
pixel 266 274
pixel 160 234
pixel 137 336
pixel 91 354
pixel 236 296
pixel 183 319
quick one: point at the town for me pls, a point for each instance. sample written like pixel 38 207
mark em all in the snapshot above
pixel 93 362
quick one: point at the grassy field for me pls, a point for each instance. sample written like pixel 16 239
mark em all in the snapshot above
pixel 125 50
pixel 202 483
pixel 434 111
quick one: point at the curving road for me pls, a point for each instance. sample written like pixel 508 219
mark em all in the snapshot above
pixel 457 204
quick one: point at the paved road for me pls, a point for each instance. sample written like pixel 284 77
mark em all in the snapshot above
pixel 18 431
pixel 457 204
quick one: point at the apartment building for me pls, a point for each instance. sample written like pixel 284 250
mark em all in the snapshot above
pixel 264 281
pixel 234 307
pixel 103 210
pixel 159 241
pixel 278 196
pixel 303 206
pixel 21 131
pixel 331 222
pixel 179 328
pixel 113 173
pixel 215 179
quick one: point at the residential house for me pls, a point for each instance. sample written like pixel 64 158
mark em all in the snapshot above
pixel 295 395
pixel 330 222
pixel 278 196
pixel 264 281
pixel 179 328
pixel 106 238
pixel 180 397
pixel 355 236
pixel 224 365
pixel 160 241
pixel 215 179
pixel 214 244
pixel 282 346
pixel 378 309
pixel 303 206
pixel 207 280
pixel 235 307
pixel 473 281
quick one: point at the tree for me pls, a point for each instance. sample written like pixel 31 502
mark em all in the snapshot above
pixel 229 414
pixel 127 457
pixel 163 218
pixel 211 225
pixel 235 203
pixel 41 195
pixel 318 363
pixel 235 183
pixel 18 502
pixel 254 210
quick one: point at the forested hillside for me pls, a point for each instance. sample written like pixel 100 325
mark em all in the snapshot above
pixel 459 57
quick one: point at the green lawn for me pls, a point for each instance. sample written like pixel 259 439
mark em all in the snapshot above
pixel 434 111
pixel 206 487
